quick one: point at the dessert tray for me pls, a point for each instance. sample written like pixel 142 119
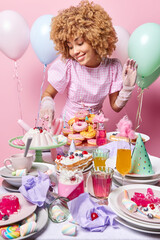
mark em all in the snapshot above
pixel 134 221
pixel 38 155
pixel 144 136
pixel 27 209
pixel 136 178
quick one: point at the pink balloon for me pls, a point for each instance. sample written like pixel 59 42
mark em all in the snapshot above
pixel 14 34
pixel 121 51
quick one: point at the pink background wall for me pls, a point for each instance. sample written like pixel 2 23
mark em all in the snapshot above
pixel 126 13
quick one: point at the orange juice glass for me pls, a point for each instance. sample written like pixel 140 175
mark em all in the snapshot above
pixel 123 162
pixel 99 157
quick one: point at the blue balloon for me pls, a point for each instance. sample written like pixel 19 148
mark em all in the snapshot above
pixel 40 39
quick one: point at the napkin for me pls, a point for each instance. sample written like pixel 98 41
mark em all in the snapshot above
pixel 81 209
pixel 35 189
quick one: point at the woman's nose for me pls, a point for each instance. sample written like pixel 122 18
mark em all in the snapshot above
pixel 76 50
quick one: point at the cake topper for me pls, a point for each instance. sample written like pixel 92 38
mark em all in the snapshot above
pixel 72 147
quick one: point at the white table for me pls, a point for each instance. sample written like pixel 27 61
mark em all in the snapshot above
pixel 53 230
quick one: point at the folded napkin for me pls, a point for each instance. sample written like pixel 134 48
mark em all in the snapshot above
pixel 82 208
pixel 35 189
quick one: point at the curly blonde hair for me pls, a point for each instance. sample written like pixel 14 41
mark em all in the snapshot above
pixel 87 20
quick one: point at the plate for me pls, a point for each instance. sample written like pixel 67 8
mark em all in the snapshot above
pixel 136 215
pixel 155 161
pixel 4 172
pixel 35 148
pixel 42 220
pixel 27 209
pixel 135 227
pixel 151 181
pixel 9 187
pixel 115 206
pixel 144 136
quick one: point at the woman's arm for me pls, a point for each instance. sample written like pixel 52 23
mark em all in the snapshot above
pixel 49 92
pixel 112 98
pixel 47 104
pixel 119 99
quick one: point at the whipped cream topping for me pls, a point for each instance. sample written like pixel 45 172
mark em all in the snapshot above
pixel 70 177
pixel 77 157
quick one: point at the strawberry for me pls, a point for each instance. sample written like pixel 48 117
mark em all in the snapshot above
pixel 84 152
pixel 94 216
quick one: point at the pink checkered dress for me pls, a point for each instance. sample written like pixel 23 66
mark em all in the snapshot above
pixel 85 86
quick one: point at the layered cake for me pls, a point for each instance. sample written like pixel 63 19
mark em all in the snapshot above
pixel 9 204
pixel 40 137
pixel 70 184
pixel 74 160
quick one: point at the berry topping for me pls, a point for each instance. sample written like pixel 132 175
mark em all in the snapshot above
pixel 145 209
pixel 5 217
pixel 152 206
pixel 84 152
pixel 71 157
pixel 76 154
pixel 80 155
pixel 58 156
pixel 71 153
pixel 73 178
pixel 150 215
pixel 94 216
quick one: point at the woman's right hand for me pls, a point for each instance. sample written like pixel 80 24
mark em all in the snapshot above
pixel 47 110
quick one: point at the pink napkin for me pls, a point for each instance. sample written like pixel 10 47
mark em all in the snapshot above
pixel 35 189
pixel 81 209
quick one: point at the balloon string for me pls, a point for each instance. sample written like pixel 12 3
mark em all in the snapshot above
pixel 44 76
pixel 139 110
pixel 19 88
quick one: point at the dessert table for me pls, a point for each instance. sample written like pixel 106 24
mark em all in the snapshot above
pixel 53 230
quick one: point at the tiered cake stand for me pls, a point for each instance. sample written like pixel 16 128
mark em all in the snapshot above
pixel 38 150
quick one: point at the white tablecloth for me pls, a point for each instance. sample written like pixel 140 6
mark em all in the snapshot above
pixel 53 230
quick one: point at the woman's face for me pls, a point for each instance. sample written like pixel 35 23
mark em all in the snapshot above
pixel 83 52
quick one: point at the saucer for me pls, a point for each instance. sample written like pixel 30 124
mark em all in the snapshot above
pixel 4 172
pixel 9 187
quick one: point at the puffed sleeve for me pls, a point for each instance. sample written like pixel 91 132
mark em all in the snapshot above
pixel 59 74
pixel 116 75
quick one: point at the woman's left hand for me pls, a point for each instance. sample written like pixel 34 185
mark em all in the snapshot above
pixel 129 73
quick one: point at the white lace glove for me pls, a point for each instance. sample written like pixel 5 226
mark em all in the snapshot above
pixel 47 110
pixel 129 75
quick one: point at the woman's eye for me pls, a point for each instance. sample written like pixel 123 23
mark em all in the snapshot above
pixel 80 44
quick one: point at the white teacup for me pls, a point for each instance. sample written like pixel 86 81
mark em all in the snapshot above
pixel 18 161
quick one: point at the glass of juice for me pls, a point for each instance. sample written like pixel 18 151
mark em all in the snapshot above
pixel 123 162
pixel 102 182
pixel 99 158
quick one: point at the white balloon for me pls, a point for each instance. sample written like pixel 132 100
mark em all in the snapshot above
pixel 121 51
pixel 14 34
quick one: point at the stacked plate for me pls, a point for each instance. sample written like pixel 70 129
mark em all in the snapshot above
pixel 136 221
pixel 136 178
pixel 12 183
